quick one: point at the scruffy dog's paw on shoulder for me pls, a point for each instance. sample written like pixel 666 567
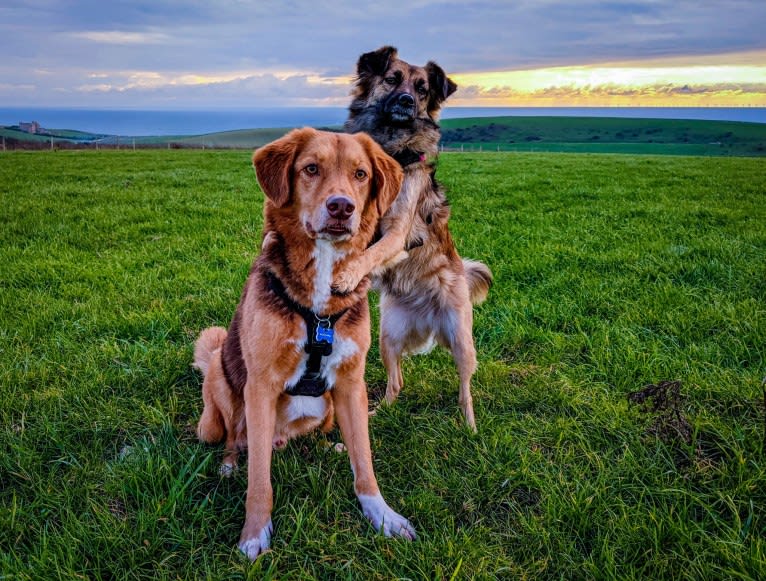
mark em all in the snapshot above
pixel 346 281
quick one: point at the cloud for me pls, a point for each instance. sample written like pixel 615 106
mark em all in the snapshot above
pixel 121 37
pixel 232 45
pixel 157 90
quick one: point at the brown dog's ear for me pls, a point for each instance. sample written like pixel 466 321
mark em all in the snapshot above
pixel 388 177
pixel 441 85
pixel 375 62
pixel 273 164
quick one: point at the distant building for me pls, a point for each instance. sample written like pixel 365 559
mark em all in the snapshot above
pixel 33 127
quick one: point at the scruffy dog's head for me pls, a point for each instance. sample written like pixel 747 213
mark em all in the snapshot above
pixel 398 103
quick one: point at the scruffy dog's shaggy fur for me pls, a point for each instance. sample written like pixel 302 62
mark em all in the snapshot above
pixel 427 290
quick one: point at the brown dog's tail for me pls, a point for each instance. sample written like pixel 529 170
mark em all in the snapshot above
pixel 209 341
pixel 479 279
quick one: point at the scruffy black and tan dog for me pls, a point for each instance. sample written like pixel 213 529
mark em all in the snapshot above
pixel 293 357
pixel 427 290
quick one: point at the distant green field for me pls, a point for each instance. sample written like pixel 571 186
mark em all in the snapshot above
pixel 612 272
pixel 605 135
pixel 553 134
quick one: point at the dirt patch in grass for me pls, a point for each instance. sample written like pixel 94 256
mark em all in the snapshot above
pixel 663 401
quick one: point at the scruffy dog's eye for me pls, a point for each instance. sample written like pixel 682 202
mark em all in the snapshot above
pixel 390 80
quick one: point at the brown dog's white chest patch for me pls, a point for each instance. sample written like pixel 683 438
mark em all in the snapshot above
pixel 325 256
pixel 342 349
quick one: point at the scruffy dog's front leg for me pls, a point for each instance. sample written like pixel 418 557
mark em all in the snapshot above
pixel 395 225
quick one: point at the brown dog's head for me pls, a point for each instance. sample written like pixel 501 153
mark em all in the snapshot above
pixel 402 91
pixel 333 186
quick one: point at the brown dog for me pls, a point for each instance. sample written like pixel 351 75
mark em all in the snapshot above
pixel 294 354
pixel 427 292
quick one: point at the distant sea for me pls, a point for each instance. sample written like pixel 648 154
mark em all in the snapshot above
pixel 177 122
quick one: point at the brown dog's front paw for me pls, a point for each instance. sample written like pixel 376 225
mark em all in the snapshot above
pixel 258 543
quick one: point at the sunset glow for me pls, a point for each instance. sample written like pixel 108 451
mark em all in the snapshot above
pixel 654 83
pixel 693 82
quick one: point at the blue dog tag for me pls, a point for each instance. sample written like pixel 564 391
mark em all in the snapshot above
pixel 324 334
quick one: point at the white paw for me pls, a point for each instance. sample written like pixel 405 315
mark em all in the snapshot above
pixel 384 518
pixel 256 545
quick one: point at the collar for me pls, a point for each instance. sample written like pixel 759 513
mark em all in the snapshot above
pixel 408 157
pixel 320 335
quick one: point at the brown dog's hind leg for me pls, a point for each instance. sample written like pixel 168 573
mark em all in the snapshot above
pixel 211 427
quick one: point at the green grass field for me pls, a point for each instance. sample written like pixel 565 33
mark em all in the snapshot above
pixel 611 272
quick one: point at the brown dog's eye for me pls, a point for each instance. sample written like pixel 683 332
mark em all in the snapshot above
pixel 312 169
pixel 360 174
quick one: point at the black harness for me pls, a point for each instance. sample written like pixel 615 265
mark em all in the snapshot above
pixel 320 335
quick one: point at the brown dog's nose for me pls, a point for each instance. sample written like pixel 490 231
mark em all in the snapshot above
pixel 340 207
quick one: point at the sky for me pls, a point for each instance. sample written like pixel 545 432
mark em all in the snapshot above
pixel 207 55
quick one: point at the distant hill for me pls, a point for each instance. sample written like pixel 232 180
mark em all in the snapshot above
pixel 555 134
pixel 69 139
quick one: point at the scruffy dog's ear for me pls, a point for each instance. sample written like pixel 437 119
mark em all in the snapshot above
pixel 441 86
pixel 273 164
pixel 388 177
pixel 375 62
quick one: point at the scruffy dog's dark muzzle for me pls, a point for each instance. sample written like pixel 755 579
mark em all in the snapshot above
pixel 400 108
